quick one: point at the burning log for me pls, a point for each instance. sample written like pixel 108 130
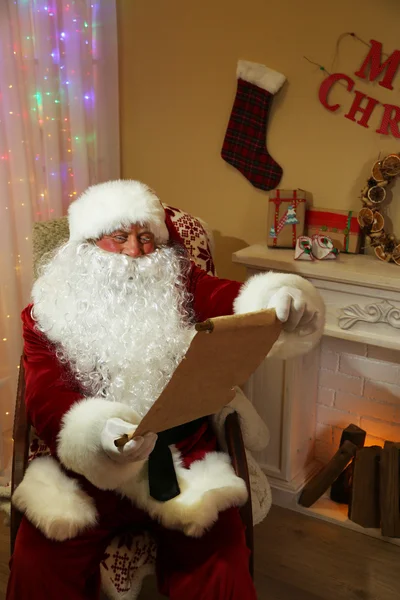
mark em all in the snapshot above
pixel 321 482
pixel 341 488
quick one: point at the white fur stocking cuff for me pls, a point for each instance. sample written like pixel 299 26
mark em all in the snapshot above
pixel 260 75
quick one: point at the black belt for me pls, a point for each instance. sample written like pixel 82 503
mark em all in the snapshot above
pixel 163 484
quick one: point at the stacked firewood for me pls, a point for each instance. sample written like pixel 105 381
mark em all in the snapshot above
pixel 365 478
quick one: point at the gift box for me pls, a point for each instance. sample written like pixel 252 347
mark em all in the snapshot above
pixel 340 225
pixel 286 217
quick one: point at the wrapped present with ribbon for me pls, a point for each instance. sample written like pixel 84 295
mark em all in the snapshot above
pixel 286 217
pixel 341 226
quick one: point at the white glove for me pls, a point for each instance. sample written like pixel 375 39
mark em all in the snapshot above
pixel 295 309
pixel 134 450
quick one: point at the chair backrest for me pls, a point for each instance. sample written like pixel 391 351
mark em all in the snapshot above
pixel 197 237
pixel 46 237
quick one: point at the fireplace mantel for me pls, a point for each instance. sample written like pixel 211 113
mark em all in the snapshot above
pixel 362 296
pixel 362 293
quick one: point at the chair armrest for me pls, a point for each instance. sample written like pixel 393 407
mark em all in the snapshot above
pixel 236 450
pixel 21 449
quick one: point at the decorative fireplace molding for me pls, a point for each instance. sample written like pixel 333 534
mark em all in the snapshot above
pixel 381 312
pixel 361 308
pixel 353 280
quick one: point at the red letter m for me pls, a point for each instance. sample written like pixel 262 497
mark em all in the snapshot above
pixel 373 61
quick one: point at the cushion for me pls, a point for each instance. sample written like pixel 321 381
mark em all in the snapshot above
pixel 129 558
pixel 196 236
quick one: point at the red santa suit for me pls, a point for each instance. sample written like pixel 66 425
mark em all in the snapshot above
pixel 75 501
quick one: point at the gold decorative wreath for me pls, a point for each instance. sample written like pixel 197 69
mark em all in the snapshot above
pixel 371 221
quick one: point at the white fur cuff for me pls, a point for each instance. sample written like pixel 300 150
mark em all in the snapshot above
pixel 260 75
pixel 255 295
pixel 79 442
pixel 54 502
pixel 208 487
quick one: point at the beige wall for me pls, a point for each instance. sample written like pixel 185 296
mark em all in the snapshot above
pixel 177 70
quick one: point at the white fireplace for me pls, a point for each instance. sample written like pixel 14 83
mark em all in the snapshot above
pixel 352 377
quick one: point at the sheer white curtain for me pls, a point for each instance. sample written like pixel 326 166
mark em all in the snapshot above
pixel 58 134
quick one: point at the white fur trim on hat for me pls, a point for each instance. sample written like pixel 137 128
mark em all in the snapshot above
pixel 105 207
pixel 260 75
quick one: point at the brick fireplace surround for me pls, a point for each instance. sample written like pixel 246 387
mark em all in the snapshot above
pixel 352 377
pixel 360 383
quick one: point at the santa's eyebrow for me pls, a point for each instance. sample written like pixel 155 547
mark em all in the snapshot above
pixel 145 231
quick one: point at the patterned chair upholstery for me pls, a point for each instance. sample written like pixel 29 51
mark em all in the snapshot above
pixel 129 557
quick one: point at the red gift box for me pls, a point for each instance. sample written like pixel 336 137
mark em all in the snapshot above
pixel 340 225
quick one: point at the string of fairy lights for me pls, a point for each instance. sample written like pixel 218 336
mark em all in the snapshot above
pixel 49 92
pixel 54 90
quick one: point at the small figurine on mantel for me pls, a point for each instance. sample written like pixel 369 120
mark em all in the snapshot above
pixel 319 247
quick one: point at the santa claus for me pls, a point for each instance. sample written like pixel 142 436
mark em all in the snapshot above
pixel 112 316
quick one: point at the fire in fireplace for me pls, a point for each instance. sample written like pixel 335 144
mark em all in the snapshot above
pixel 367 479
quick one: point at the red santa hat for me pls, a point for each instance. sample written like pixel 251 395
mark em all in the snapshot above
pixel 105 207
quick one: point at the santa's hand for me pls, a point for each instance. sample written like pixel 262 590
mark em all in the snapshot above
pixel 295 309
pixel 135 450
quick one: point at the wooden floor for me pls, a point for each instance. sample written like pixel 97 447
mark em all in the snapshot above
pixel 301 558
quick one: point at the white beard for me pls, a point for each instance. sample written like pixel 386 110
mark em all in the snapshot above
pixel 121 324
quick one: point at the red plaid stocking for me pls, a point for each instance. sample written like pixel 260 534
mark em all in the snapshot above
pixel 245 139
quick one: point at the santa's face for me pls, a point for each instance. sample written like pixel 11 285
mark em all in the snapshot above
pixel 133 241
